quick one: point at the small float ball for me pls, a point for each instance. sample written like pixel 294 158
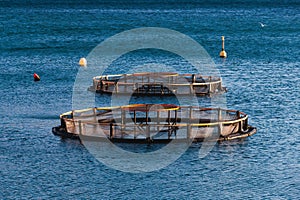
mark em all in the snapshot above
pixel 223 54
pixel 82 62
pixel 36 77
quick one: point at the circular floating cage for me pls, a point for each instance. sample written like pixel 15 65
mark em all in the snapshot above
pixel 157 83
pixel 154 123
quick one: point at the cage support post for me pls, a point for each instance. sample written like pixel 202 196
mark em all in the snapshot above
pixel 79 125
pixel 111 131
pixel 238 114
pixel 219 120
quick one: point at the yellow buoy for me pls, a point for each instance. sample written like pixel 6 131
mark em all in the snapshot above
pixel 223 53
pixel 82 62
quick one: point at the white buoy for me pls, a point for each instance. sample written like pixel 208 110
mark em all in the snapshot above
pixel 223 53
pixel 82 62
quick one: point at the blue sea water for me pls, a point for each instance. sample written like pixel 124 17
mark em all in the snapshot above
pixel 261 72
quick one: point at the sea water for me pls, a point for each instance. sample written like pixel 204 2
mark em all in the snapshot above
pixel 261 74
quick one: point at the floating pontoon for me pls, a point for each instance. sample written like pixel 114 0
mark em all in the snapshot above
pixel 157 83
pixel 154 123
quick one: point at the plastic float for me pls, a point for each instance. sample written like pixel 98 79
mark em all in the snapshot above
pixel 154 123
pixel 157 83
pixel 82 62
pixel 223 53
pixel 36 77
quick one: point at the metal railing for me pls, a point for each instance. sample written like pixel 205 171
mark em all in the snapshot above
pixel 150 120
pixel 157 83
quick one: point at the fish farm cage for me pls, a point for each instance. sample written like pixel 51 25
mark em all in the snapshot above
pixel 157 83
pixel 154 123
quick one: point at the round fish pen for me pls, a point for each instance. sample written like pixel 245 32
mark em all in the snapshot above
pixel 157 83
pixel 154 123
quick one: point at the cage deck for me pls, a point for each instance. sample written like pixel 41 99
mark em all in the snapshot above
pixel 157 83
pixel 161 123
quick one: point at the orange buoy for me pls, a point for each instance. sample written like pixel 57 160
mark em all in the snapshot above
pixel 36 77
